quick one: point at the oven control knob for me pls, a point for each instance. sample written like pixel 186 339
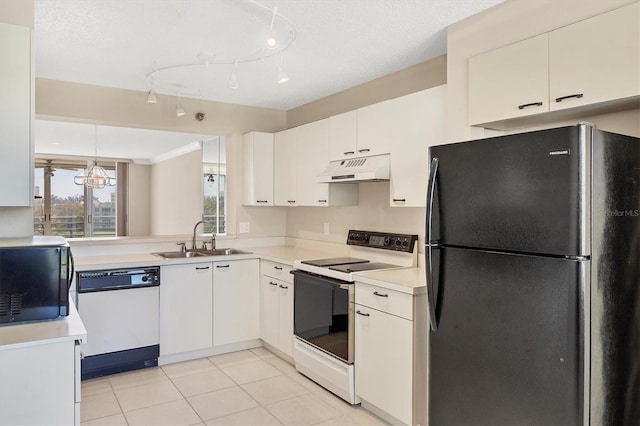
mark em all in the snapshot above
pixel 397 242
pixel 351 237
pixel 387 241
pixel 145 278
pixel 405 243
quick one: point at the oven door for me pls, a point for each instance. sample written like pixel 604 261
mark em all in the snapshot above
pixel 323 313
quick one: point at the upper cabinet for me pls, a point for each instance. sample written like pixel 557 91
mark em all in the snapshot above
pixel 363 132
pixel 16 112
pixel 421 125
pixel 258 169
pixel 301 154
pixel 509 82
pixel 595 60
pixel 595 63
pixel 284 168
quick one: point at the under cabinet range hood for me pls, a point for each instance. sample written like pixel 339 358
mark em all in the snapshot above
pixel 361 169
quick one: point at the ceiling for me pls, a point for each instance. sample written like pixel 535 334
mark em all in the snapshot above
pixel 338 44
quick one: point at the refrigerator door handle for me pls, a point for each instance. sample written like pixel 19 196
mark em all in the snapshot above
pixel 431 244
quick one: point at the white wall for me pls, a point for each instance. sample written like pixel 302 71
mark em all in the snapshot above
pixel 139 200
pixel 176 194
pixel 509 22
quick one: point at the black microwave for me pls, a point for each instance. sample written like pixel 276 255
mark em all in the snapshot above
pixel 35 277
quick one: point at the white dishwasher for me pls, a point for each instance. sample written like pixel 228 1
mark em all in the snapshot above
pixel 120 310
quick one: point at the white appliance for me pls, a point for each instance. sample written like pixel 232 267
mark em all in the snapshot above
pixel 324 306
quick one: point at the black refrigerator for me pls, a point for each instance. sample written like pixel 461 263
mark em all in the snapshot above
pixel 533 279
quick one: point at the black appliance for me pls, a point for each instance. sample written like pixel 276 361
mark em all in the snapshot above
pixel 34 278
pixel 533 279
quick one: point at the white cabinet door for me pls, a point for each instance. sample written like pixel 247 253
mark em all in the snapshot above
pixel 16 111
pixel 509 82
pixel 236 301
pixel 376 128
pixel 422 125
pixel 384 362
pixel 186 308
pixel 284 173
pixel 258 168
pixel 38 384
pixel 343 136
pixel 595 60
pixel 285 318
pixel 270 310
pixel 312 143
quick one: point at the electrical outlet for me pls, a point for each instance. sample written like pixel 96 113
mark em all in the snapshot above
pixel 326 228
pixel 244 228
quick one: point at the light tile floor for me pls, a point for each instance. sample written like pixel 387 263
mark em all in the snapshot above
pixel 251 387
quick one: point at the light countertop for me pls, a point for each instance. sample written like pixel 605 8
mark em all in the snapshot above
pixel 13 336
pixel 406 280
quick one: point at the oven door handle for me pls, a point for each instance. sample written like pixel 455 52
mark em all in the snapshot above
pixel 328 280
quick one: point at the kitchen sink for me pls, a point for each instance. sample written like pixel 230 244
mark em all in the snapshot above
pixel 199 253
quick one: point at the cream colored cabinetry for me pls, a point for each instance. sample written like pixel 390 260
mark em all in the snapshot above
pixel 284 168
pixel 595 63
pixel 40 384
pixel 363 132
pixel 421 125
pixel 390 353
pixel 509 82
pixel 186 308
pixel 16 112
pixel 258 168
pixel 235 301
pixel 276 307
pixel 596 60
pixel 301 154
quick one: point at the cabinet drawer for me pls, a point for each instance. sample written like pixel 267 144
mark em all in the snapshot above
pixel 385 300
pixel 276 270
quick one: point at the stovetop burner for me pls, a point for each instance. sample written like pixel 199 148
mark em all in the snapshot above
pixel 359 267
pixel 334 261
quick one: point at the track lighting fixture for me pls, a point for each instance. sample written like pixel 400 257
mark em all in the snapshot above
pixel 282 75
pixel 272 35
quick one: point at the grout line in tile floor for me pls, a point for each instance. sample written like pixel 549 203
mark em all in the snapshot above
pixel 238 388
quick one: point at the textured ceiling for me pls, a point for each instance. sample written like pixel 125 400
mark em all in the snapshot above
pixel 339 43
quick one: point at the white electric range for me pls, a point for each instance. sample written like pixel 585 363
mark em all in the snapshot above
pixel 324 310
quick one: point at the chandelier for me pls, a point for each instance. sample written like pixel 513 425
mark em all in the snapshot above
pixel 269 37
pixel 96 177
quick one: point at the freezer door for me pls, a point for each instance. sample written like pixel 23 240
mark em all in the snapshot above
pixel 508 349
pixel 525 193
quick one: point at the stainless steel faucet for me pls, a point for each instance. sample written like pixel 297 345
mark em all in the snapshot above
pixel 193 241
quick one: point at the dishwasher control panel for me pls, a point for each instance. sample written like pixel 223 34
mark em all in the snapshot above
pixel 118 279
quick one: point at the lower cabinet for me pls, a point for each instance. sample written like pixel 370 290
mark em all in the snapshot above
pixel 236 301
pixel 186 307
pixel 40 384
pixel 390 354
pixel 276 313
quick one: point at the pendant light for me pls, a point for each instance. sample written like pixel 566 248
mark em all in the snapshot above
pixel 95 177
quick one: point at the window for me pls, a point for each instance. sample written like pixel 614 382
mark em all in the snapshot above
pixel 60 207
pixel 214 186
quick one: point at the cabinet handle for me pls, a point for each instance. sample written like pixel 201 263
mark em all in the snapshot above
pixel 362 313
pixel 322 201
pixel 278 268
pixel 576 96
pixel 291 201
pixel 272 283
pixel 262 201
pixel 399 200
pixel 380 294
pixel 348 152
pixel 364 150
pixel 198 268
pixel 283 286
pixel 222 266
pixel 523 106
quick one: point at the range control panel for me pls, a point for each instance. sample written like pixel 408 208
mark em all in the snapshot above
pixel 382 240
